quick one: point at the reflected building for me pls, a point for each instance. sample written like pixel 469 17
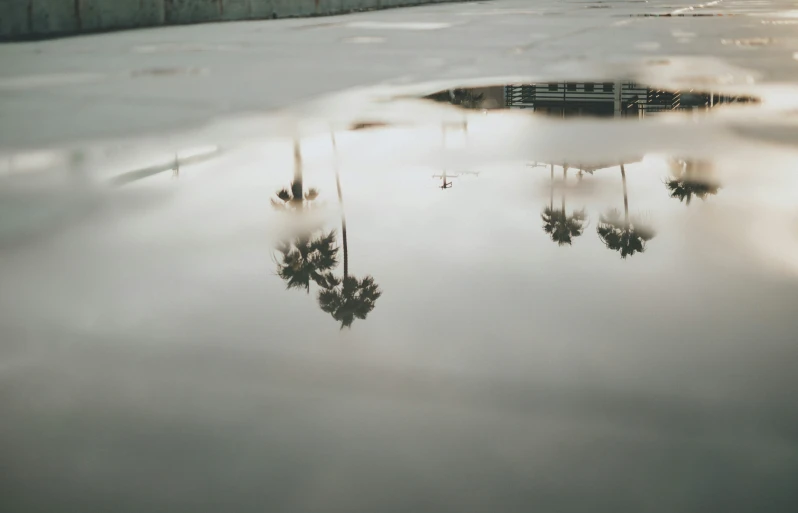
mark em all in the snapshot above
pixel 608 99
pixel 618 98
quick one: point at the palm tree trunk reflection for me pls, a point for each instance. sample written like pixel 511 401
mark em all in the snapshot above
pixel 561 227
pixel 305 255
pixel 625 196
pixel 626 235
pixel 349 298
pixel 296 186
pixel 341 203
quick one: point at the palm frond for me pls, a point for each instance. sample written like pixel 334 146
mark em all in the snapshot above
pixel 350 299
pixel 284 195
pixel 307 259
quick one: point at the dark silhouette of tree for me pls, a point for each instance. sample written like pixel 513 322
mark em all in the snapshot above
pixel 308 259
pixel 623 235
pixel 348 298
pixel 287 201
pixel 294 198
pixel 561 227
pixel 690 179
pixel 308 256
pixel 465 98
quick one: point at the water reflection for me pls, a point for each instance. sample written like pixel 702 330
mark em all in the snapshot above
pixel 626 236
pixel 465 98
pixel 623 233
pixel 308 258
pixel 295 197
pixel 616 98
pixel 160 329
pixel 445 176
pixel 310 254
pixel 445 182
pixel 348 298
pixel 691 178
pixel 561 227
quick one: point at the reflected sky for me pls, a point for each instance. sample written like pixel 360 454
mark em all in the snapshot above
pixel 153 357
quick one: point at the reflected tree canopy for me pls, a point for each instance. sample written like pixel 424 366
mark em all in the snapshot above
pixel 465 98
pixel 561 227
pixel 349 299
pixel 309 256
pixel 286 200
pixel 690 179
pixel 307 259
pixel 623 235
pixel 295 198
pixel 312 256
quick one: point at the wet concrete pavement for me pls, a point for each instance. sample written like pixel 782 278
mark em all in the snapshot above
pixel 209 305
pixel 158 80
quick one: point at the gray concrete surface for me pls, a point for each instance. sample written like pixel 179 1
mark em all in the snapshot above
pixel 159 80
pixel 152 360
pixel 25 19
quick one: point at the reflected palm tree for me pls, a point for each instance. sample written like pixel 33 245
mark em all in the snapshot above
pixel 561 227
pixel 308 256
pixel 347 298
pixel 308 259
pixel 294 197
pixel 623 235
pixel 350 299
pixel 690 179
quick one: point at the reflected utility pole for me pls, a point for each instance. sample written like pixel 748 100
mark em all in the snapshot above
pixel 444 176
pixel 445 185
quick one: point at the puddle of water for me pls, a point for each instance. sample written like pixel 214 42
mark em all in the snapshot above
pixel 520 267
pixel 615 99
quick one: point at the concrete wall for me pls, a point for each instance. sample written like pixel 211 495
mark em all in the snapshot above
pixel 32 19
